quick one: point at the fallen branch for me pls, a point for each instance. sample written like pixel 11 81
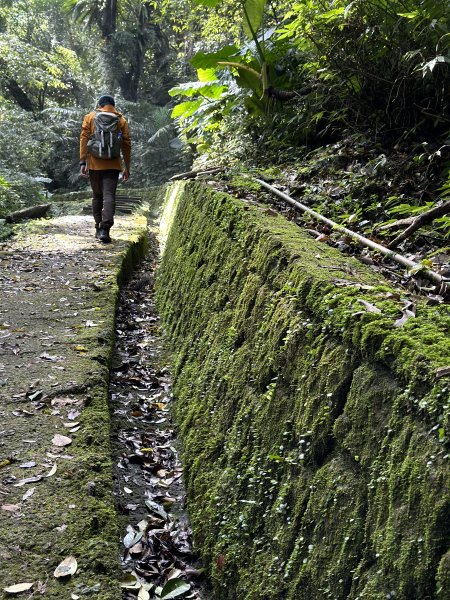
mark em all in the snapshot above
pixel 395 225
pixel 194 174
pixel 419 221
pixel 35 212
pixel 406 262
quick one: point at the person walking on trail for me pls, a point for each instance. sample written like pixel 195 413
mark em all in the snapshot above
pixel 104 137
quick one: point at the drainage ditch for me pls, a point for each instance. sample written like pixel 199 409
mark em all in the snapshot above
pixel 157 558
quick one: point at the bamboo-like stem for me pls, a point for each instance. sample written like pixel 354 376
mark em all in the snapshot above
pixel 242 66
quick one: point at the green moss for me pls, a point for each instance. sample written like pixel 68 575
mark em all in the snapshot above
pixel 240 182
pixel 308 422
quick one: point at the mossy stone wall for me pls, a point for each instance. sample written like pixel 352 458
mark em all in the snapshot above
pixel 314 430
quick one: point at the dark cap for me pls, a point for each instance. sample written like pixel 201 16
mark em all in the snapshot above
pixel 103 100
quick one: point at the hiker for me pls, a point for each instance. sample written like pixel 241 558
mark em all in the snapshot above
pixel 104 135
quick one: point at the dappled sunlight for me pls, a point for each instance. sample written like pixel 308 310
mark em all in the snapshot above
pixel 71 234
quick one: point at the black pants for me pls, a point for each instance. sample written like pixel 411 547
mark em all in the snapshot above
pixel 104 185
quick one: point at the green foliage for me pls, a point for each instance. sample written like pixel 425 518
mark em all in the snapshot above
pixel 381 64
pixel 52 70
pixel 38 65
pixel 156 148
pixel 23 148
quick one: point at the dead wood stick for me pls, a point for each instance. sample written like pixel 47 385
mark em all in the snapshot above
pixel 34 212
pixel 193 174
pixel 396 224
pixel 420 221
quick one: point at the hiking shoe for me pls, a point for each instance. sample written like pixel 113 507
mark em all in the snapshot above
pixel 103 235
pixel 97 233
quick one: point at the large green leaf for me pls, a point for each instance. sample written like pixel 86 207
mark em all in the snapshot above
pixel 209 60
pixel 186 109
pixel 207 75
pixel 253 16
pixel 210 89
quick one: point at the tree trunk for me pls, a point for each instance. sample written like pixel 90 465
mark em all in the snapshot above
pixel 130 80
pixel 19 95
pixel 109 20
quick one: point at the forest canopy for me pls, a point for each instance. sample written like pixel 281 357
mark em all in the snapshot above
pixel 250 83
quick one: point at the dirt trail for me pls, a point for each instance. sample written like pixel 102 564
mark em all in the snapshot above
pixel 59 289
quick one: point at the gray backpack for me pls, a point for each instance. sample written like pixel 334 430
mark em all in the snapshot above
pixel 104 142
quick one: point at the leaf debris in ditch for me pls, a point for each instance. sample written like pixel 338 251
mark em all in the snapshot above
pixel 132 537
pixel 157 547
pixel 174 588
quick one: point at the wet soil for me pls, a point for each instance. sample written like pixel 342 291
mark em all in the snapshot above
pixel 157 556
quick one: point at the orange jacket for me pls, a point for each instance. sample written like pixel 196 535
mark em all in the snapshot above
pixel 101 164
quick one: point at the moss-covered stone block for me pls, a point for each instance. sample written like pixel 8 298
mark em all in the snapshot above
pixel 315 431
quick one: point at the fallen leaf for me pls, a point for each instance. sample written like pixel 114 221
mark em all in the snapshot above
pixel 61 440
pixel 11 507
pixel 73 414
pixel 156 508
pixel 322 237
pixel 52 470
pixel 81 349
pixel 409 311
pixel 443 372
pixel 174 574
pixel 174 588
pixel 28 494
pixel 142 525
pixel 369 307
pixel 28 480
pixel 129 582
pixel 137 548
pixel 143 594
pixel 18 587
pixel 49 358
pixel 67 567
pixel 132 538
pixel 64 400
